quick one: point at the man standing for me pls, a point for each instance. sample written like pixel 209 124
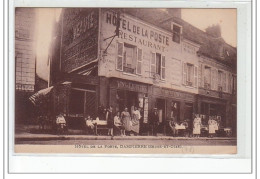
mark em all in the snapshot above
pixel 110 120
pixel 154 121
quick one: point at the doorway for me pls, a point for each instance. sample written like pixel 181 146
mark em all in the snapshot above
pixel 161 107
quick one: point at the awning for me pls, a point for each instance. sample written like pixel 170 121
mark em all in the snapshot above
pixel 43 94
pixel 37 97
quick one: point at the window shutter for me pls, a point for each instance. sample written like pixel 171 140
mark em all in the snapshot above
pixel 195 76
pixel 120 50
pixel 229 82
pixel 163 67
pixel 216 79
pixel 184 73
pixel 199 75
pixel 153 67
pixel 224 82
pixel 202 75
pixel 139 61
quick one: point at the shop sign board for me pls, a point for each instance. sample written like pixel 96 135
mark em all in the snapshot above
pixel 79 37
pixel 131 86
pixel 172 93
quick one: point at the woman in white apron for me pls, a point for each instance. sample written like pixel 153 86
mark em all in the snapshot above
pixel 196 126
pixel 212 127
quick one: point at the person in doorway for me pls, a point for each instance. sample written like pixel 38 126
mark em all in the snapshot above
pixel 172 125
pixel 196 126
pixel 118 124
pixel 110 121
pixel 154 121
pixel 136 121
pixel 125 116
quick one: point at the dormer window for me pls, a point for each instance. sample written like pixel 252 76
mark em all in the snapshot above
pixel 176 33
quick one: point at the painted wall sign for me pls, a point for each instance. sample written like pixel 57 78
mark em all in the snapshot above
pixel 138 33
pixel 80 37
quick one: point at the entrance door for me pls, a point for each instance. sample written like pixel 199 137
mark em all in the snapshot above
pixel 161 107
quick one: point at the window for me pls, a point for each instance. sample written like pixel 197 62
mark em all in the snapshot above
pixel 176 36
pixel 129 58
pixel 190 75
pixel 221 81
pixel 207 77
pixel 158 65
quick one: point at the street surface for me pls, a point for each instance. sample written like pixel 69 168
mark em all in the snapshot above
pixel 183 142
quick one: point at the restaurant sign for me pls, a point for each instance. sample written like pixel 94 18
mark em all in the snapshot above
pixel 79 37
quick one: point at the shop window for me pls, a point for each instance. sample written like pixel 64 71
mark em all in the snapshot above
pixel 176 35
pixel 207 77
pixel 190 75
pixel 129 58
pixel 158 65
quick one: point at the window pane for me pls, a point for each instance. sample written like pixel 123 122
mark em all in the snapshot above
pixel 120 49
pixel 129 54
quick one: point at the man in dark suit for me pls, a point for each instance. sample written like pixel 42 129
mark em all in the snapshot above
pixel 154 121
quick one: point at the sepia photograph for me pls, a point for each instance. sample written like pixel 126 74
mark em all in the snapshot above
pixel 125 80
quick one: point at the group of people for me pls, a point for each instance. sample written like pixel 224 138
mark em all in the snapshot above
pixel 213 126
pixel 196 126
pixel 125 123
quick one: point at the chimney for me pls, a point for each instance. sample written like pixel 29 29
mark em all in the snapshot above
pixel 175 12
pixel 214 31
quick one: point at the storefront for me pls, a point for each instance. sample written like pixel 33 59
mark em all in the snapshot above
pixel 124 93
pixel 212 103
pixel 172 104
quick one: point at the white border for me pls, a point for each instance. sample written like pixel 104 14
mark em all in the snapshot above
pixel 239 163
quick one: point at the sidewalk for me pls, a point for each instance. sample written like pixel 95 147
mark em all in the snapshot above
pixel 23 134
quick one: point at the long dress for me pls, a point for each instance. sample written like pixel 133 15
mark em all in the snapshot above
pixel 135 121
pixel 212 126
pixel 196 124
pixel 125 116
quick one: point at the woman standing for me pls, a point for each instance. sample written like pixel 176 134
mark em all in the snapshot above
pixel 212 126
pixel 196 125
pixel 110 121
pixel 125 116
pixel 135 121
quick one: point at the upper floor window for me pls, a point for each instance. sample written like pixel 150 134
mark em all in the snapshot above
pixel 129 58
pixel 207 77
pixel 221 81
pixel 158 65
pixel 176 35
pixel 190 75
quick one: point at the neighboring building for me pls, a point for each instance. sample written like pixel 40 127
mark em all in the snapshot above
pixel 40 83
pixel 157 60
pixel 25 64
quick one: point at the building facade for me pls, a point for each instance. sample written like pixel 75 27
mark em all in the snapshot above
pixel 25 60
pixel 142 57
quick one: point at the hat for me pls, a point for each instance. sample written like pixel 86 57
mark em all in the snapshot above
pixel 154 108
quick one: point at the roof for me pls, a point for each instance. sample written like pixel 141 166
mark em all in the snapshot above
pixel 215 48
